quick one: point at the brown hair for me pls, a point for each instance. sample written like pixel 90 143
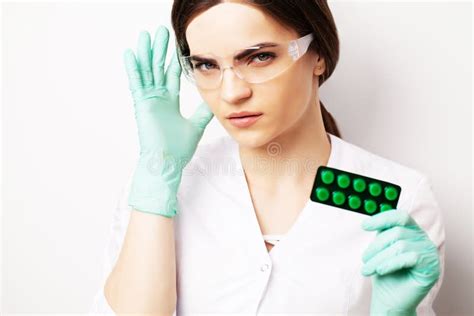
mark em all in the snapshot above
pixel 304 16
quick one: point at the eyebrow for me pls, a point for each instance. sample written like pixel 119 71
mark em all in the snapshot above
pixel 240 55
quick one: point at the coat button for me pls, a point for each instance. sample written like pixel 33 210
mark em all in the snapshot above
pixel 264 267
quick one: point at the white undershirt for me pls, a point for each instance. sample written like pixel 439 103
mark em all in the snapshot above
pixel 272 238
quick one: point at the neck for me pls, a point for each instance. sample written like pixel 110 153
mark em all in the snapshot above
pixel 291 159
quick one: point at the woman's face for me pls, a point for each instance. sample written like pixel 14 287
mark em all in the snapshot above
pixel 228 27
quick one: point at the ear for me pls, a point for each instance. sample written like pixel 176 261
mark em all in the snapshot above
pixel 319 67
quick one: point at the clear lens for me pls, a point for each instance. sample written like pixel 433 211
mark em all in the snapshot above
pixel 256 66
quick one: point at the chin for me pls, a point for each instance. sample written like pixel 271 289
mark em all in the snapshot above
pixel 252 139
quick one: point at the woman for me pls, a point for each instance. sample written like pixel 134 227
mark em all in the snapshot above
pixel 248 239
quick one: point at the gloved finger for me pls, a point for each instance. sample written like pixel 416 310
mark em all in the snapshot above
pixel 389 237
pixel 160 46
pixel 144 59
pixel 386 220
pixel 133 73
pixel 404 260
pixel 202 116
pixel 173 73
pixel 392 251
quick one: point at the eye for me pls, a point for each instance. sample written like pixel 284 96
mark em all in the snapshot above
pixel 198 66
pixel 267 56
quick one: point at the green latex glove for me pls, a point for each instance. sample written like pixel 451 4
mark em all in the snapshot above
pixel 404 261
pixel 167 139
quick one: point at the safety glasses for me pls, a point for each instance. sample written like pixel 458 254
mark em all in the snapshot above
pixel 255 64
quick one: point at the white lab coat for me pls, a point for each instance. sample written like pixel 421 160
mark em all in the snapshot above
pixel 223 266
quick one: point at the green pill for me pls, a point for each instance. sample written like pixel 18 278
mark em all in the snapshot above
pixel 370 206
pixel 322 194
pixel 354 202
pixel 391 193
pixel 385 207
pixel 359 185
pixel 343 181
pixel 338 198
pixel 327 176
pixel 375 189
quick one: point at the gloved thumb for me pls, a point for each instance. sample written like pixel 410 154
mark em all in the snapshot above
pixel 202 116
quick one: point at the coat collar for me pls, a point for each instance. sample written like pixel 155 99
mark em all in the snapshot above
pixel 236 188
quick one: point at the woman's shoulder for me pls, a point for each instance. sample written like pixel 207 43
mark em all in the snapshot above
pixel 357 159
pixel 213 158
pixel 212 152
pixel 218 145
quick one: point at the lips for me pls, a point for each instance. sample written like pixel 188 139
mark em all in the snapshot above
pixel 244 121
pixel 243 114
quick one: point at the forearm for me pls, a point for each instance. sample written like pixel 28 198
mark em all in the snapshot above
pixel 144 277
pixel 381 311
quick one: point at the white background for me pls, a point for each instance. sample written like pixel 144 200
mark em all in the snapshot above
pixel 402 89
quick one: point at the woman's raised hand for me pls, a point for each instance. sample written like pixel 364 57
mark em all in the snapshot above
pixel 167 139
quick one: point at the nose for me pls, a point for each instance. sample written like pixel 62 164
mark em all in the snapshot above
pixel 233 89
